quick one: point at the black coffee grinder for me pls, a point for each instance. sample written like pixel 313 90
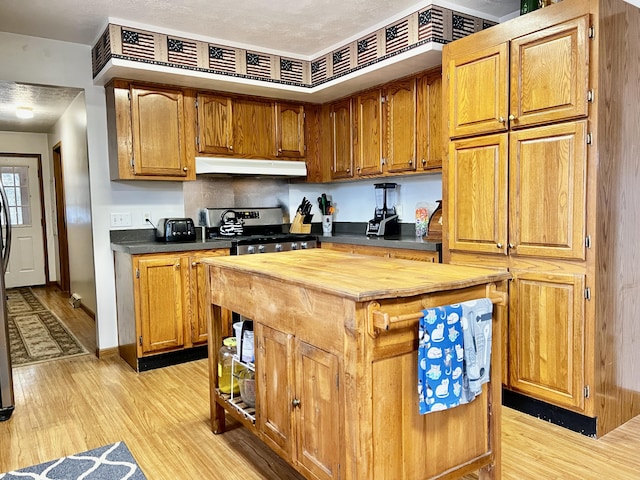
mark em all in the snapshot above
pixel 385 220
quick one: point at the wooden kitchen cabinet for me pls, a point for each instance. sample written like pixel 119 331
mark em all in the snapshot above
pixel 429 132
pixel 301 426
pixel 160 305
pixel 340 121
pixel 253 127
pixel 290 130
pixel 400 126
pixel 368 125
pixel 147 132
pixel 215 131
pixel 563 229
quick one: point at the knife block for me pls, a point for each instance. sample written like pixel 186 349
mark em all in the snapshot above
pixel 298 227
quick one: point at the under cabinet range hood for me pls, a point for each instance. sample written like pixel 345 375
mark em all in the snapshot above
pixel 245 166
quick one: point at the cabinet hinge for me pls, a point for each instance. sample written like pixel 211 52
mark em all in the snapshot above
pixel 589 138
pixel 197 141
pixel 587 241
pixel 587 293
pixel 140 340
pixel 587 391
pixel 137 273
pixel 337 382
pixel 592 32
pixel 132 162
pixel 383 99
pixel 590 95
pixel 196 103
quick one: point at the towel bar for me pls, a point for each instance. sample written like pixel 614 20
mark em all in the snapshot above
pixel 380 320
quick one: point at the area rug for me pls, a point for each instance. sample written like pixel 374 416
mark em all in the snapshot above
pixel 111 462
pixel 35 333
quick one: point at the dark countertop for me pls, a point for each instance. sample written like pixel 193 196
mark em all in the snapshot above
pixel 142 241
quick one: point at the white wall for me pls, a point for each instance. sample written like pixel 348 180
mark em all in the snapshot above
pixel 71 132
pixel 16 142
pixel 50 62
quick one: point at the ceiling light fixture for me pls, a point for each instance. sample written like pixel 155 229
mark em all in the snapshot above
pixel 24 112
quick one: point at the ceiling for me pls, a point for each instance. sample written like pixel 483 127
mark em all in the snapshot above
pixel 299 28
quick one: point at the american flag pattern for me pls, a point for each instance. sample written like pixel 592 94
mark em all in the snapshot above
pixel 318 70
pixel 463 25
pixel 258 64
pixel 137 44
pixel 341 61
pixel 367 49
pixel 182 52
pixel 222 59
pixel 291 70
pixel 101 52
pixel 430 23
pixel 397 36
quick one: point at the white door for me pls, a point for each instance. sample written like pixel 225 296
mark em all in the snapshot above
pixel 19 176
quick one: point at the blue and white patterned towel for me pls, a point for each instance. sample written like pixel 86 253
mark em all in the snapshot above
pixel 454 354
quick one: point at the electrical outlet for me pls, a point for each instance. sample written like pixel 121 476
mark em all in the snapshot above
pixel 146 217
pixel 121 219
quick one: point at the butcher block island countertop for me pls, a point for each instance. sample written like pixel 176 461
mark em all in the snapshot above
pixel 336 339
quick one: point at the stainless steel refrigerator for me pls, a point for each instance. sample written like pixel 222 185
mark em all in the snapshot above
pixel 6 379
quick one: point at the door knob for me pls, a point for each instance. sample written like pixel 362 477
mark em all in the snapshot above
pixel 501 119
pixel 499 245
pixel 512 117
pixel 184 169
pixel 295 402
pixel 193 264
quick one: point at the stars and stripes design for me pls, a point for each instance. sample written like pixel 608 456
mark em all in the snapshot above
pixel 137 44
pixel 367 49
pixel 291 70
pixel 101 52
pixel 318 70
pixel 182 52
pixel 341 63
pixel 222 59
pixel 258 65
pixel 430 23
pixel 462 26
pixel 397 36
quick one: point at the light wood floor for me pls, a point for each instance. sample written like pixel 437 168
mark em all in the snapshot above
pixel 68 406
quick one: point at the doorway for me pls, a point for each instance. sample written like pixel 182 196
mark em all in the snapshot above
pixel 21 177
pixel 61 220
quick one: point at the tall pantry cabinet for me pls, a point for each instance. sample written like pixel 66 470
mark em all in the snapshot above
pixel 541 179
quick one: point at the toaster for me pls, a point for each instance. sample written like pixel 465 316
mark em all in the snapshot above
pixel 175 230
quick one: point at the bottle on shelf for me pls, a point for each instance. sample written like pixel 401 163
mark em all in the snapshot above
pixel 226 366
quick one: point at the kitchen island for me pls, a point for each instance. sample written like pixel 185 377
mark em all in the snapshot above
pixel 336 365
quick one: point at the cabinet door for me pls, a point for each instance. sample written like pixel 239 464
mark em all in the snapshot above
pixel 157 123
pixel 477 194
pixel 215 134
pixel 550 74
pixel 290 137
pixel 546 337
pixel 368 151
pixel 274 387
pixel 478 86
pixel 160 302
pixel 400 124
pixel 429 134
pixel 341 140
pixel 198 296
pixel 547 185
pixel 317 411
pixel 253 128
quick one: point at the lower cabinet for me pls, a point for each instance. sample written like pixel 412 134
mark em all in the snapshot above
pixel 161 306
pixel 388 252
pixel 299 398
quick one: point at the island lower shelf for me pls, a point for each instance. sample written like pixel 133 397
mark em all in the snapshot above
pixel 336 364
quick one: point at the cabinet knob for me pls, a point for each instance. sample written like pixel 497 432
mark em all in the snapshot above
pixel 193 264
pixel 511 245
pixel 501 119
pixel 295 402
pixel 512 117
pixel 230 147
pixel 184 169
pixel 424 162
pixel 279 150
pixel 348 170
pixel 499 245
pixel 177 266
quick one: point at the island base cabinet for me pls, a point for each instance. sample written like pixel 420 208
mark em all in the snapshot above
pixel 298 401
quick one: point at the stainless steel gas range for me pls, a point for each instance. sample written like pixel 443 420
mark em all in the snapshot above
pixel 255 230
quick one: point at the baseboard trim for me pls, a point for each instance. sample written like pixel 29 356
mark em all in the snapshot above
pixel 86 310
pixel 551 413
pixel 172 358
pixel 107 352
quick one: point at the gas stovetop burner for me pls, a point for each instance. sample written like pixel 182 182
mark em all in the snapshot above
pixel 271 244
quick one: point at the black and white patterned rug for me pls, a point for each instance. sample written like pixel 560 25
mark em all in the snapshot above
pixel 111 462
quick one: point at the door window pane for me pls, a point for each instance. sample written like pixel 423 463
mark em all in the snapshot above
pixel 15 182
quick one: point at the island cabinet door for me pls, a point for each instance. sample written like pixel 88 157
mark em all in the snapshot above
pixel 274 386
pixel 317 412
pixel 546 337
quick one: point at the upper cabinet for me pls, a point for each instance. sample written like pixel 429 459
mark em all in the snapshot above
pixel 549 81
pixel 215 134
pixel 147 132
pixel 341 125
pixel 429 134
pixel 400 123
pixel 368 122
pixel 253 128
pixel 290 131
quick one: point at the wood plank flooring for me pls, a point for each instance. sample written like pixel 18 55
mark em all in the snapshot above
pixel 71 405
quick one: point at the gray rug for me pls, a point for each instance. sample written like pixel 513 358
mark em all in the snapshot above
pixel 111 462
pixel 35 333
